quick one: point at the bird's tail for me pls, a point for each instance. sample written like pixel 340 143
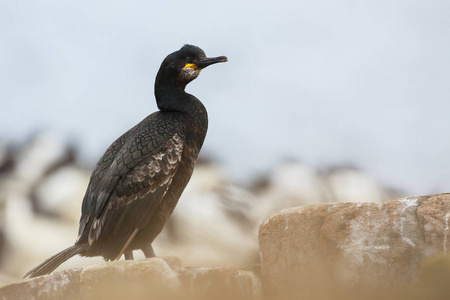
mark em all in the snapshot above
pixel 53 262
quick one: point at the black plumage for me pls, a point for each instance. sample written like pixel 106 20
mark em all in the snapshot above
pixel 136 185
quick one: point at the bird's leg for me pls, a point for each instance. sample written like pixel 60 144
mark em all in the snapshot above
pixel 148 251
pixel 129 255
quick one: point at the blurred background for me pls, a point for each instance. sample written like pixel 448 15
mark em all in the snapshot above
pixel 321 101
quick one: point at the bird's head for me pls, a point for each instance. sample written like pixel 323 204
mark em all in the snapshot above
pixel 184 65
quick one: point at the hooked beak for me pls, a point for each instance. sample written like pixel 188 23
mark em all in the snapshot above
pixel 201 64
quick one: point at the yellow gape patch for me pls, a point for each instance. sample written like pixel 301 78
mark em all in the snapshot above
pixel 193 66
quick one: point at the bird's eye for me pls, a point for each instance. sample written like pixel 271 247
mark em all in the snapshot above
pixel 188 59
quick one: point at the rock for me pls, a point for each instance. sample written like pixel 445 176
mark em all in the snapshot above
pixel 155 278
pixel 61 285
pixel 220 283
pixel 291 184
pixel 351 244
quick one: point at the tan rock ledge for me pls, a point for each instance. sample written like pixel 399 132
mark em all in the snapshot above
pixel 305 249
pixel 155 278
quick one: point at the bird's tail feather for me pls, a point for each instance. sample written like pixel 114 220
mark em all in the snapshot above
pixel 53 262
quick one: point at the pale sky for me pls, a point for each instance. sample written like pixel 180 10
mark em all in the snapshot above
pixel 326 82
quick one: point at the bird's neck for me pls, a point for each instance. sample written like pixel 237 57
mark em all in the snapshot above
pixel 172 97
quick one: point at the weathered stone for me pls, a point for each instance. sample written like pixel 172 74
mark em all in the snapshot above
pixel 434 220
pixel 153 278
pixel 351 244
pixel 219 283
pixel 61 285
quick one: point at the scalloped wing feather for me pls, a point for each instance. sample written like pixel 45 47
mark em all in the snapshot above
pixel 136 195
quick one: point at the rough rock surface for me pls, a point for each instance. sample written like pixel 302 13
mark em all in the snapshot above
pixel 155 278
pixel 61 285
pixel 219 283
pixel 351 244
pixel 130 280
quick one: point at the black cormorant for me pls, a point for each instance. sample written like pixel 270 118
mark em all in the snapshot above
pixel 135 186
